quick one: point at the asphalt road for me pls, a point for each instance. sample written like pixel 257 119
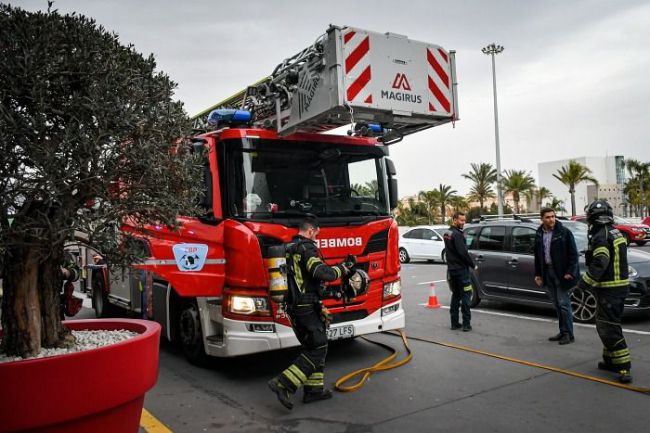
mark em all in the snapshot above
pixel 440 390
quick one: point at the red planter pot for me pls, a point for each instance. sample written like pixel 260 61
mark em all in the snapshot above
pixel 100 390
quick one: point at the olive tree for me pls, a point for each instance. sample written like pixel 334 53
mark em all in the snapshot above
pixel 90 137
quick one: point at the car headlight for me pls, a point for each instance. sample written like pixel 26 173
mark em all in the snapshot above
pixel 632 272
pixel 249 305
pixel 392 289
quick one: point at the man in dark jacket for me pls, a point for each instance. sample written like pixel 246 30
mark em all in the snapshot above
pixel 556 268
pixel 459 263
pixel 308 317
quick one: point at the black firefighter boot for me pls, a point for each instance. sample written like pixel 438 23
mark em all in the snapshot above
pixel 316 395
pixel 284 395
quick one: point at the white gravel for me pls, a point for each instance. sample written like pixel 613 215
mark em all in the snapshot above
pixel 84 340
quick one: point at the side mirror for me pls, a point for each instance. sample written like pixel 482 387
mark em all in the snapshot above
pixel 393 198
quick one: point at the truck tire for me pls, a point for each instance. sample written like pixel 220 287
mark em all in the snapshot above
pixel 191 337
pixel 103 308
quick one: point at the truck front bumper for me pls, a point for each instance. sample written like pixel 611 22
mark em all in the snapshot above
pixel 243 338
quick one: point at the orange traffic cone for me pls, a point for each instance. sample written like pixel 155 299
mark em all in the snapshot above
pixel 433 299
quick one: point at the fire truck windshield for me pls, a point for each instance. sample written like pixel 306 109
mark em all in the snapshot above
pixel 276 179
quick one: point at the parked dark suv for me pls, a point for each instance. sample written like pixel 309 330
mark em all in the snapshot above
pixel 503 251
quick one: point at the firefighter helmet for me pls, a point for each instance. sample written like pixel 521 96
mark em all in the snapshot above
pixel 357 283
pixel 600 212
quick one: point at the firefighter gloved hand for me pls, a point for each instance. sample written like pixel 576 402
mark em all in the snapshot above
pixel 325 316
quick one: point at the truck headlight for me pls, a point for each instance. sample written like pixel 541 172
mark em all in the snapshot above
pixel 249 305
pixel 392 289
pixel 632 272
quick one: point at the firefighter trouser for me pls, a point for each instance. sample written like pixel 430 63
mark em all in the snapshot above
pixel 461 295
pixel 609 311
pixel 307 368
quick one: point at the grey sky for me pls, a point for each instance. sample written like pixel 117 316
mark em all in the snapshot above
pixel 572 81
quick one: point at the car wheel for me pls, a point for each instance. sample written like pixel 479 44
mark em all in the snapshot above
pixel 443 256
pixel 403 256
pixel 475 300
pixel 191 337
pixel 583 304
pixel 641 243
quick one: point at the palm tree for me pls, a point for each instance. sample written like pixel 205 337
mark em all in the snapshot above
pixel 543 193
pixel 640 173
pixel 571 175
pixel 517 182
pixel 430 200
pixel 556 204
pixel 444 194
pixel 458 203
pixel 412 213
pixel 482 175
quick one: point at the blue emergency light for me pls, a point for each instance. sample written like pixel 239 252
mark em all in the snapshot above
pixel 227 115
pixel 376 128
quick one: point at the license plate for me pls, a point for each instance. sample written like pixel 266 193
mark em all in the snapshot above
pixel 337 332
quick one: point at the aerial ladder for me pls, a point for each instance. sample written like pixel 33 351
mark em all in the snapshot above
pixel 383 84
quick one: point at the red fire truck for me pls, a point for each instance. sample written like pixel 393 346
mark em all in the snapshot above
pixel 268 164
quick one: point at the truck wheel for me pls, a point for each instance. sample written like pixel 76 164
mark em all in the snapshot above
pixel 101 305
pixel 191 337
pixel 475 297
pixel 583 304
pixel 403 256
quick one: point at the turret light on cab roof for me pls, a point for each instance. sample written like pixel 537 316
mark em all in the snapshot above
pixel 229 116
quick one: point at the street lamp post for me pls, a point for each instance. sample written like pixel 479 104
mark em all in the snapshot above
pixel 493 49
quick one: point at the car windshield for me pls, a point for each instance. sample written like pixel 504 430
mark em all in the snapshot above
pixel 579 231
pixel 272 179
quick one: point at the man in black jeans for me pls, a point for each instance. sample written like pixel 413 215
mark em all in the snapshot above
pixel 459 262
pixel 556 268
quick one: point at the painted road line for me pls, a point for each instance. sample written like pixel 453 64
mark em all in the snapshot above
pixel 429 282
pixel 151 424
pixel 541 319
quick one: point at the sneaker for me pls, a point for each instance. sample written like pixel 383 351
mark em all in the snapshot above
pixel 455 326
pixel 557 337
pixel 624 376
pixel 309 397
pixel 467 328
pixel 284 396
pixel 565 339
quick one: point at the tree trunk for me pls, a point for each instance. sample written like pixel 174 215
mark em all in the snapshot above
pixel 573 203
pixel 480 202
pixel 31 315
pixel 443 213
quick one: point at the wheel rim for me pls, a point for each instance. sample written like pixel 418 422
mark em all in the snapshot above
pixel 583 303
pixel 402 256
pixel 189 328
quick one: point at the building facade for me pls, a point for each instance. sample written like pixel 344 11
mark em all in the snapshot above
pixel 609 171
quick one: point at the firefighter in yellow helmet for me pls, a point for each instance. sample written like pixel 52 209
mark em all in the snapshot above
pixel 307 272
pixel 607 277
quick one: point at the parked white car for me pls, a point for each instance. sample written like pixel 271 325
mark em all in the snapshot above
pixel 423 243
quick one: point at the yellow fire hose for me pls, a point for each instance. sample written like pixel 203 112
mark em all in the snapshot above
pixel 383 365
pixel 530 364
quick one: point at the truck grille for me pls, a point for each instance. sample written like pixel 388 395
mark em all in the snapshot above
pixel 377 242
pixel 347 316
